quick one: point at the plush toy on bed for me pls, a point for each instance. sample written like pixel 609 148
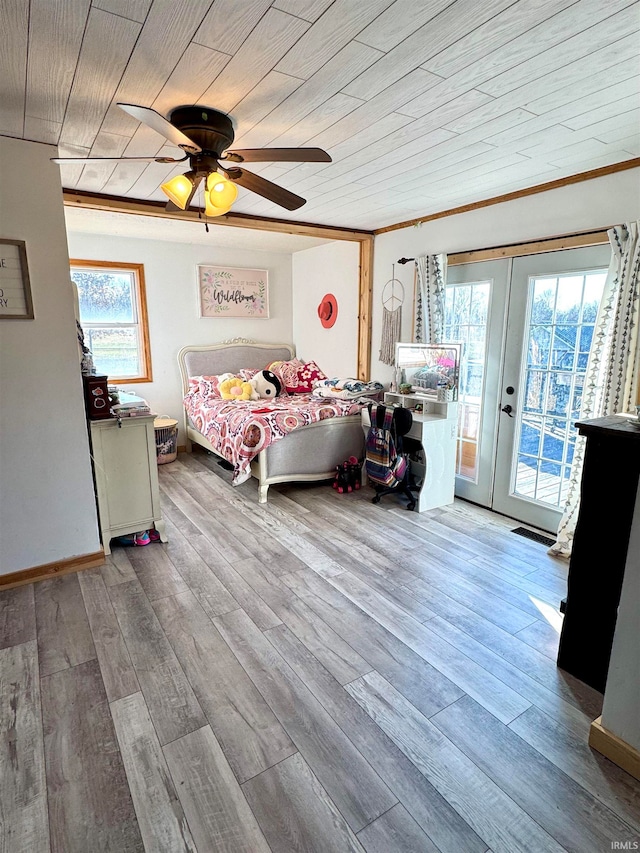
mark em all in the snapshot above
pixel 234 388
pixel 266 385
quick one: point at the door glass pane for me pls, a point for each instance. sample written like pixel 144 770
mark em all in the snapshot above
pixel 544 298
pixel 562 311
pixel 578 384
pixel 594 283
pixel 530 435
pixel 535 390
pixel 466 316
pixel 540 346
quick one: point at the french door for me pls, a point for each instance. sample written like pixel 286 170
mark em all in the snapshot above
pixel 475 298
pixel 526 325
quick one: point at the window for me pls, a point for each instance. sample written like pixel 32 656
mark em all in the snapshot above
pixel 113 316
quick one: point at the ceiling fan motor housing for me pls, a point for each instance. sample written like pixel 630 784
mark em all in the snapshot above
pixel 202 164
pixel 210 129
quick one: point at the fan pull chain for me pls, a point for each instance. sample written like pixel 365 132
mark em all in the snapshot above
pixel 206 224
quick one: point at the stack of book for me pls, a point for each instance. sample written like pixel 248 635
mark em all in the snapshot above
pixel 130 405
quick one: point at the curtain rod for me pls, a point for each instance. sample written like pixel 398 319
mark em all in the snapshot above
pixel 532 247
pixel 555 243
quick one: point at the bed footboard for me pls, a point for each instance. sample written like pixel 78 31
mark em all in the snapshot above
pixel 304 455
pixel 309 453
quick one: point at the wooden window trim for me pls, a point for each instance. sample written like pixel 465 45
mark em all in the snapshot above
pixel 143 317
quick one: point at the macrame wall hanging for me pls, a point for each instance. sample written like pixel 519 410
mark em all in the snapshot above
pixel 392 299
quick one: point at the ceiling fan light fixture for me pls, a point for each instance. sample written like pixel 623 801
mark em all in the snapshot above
pixel 205 135
pixel 211 209
pixel 221 192
pixel 180 189
pixel 213 179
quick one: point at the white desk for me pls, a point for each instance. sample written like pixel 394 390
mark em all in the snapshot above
pixel 435 428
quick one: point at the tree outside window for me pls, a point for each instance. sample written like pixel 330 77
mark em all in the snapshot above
pixel 113 316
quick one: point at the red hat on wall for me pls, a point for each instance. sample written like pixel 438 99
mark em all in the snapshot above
pixel 328 310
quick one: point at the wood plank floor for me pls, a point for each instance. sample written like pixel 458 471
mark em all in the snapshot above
pixel 313 674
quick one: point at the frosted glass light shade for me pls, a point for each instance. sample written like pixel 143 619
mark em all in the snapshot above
pixel 212 209
pixel 221 191
pixel 179 190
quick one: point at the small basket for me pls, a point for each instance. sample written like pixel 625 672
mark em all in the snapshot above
pixel 166 430
pixel 446 395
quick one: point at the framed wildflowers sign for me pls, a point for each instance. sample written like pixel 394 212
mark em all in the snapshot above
pixel 232 292
pixel 15 291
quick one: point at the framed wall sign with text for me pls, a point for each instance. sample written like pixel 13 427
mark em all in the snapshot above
pixel 232 292
pixel 15 290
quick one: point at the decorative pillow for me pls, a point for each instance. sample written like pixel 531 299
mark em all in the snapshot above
pixel 247 373
pixel 235 389
pixel 266 384
pixel 208 386
pixel 306 377
pixel 286 371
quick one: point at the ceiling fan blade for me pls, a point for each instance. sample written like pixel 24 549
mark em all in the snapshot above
pixel 267 189
pixel 283 155
pixel 162 126
pixel 75 160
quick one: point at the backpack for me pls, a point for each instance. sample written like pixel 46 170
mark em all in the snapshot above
pixel 384 465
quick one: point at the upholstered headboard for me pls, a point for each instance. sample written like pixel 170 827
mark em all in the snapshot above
pixel 228 357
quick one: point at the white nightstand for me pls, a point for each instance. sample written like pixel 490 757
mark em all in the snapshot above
pixel 435 428
pixel 126 477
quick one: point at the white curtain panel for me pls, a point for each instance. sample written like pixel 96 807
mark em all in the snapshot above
pixel 429 318
pixel 611 380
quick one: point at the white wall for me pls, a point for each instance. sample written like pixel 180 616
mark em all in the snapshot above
pixel 48 506
pixel 172 303
pixel 594 204
pixel 620 712
pixel 332 268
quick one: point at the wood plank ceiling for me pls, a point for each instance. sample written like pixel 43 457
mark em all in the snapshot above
pixel 424 105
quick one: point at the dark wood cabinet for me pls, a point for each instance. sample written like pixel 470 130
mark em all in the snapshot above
pixel 607 499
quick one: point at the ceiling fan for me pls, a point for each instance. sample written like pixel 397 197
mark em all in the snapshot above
pixel 205 135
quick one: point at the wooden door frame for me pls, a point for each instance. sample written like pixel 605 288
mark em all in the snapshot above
pixel 117 204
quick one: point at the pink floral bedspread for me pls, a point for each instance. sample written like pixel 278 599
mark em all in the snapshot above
pixel 238 432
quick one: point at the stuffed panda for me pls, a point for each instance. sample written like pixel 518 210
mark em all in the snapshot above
pixel 266 384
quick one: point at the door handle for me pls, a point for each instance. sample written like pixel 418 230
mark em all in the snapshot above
pixel 507 410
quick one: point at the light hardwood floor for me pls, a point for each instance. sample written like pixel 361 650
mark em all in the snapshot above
pixel 314 674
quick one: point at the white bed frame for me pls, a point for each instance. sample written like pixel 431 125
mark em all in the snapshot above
pixel 304 455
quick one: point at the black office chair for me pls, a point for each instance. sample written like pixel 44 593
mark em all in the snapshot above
pixel 402 421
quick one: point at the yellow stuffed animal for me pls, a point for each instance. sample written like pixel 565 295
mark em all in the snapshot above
pixel 235 389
